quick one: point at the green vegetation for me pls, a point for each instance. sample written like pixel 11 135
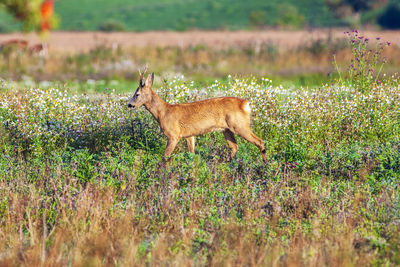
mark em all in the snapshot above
pixel 309 64
pixel 366 64
pixel 183 14
pixel 7 23
pixel 120 15
pixel 83 181
pixel 32 15
pixel 27 12
pixel 112 26
pixel 390 17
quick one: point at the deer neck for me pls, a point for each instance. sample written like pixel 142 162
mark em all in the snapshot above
pixel 156 106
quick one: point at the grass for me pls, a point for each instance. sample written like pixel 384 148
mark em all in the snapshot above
pixel 82 180
pixel 104 66
pixel 142 15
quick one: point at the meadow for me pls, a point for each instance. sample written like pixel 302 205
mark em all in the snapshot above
pixel 181 15
pixel 83 181
pixel 120 15
pixel 289 58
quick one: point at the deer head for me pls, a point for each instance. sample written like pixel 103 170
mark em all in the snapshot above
pixel 143 92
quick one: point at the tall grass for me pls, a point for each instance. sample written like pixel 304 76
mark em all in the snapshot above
pixel 366 64
pixel 310 62
pixel 82 180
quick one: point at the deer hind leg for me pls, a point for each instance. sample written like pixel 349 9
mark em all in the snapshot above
pixel 190 144
pixel 230 138
pixel 172 142
pixel 247 134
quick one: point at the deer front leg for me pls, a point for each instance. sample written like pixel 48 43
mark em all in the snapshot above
pixel 172 142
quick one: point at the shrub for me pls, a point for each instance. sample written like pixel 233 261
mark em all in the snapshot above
pixel 4 28
pixel 112 26
pixel 390 18
pixel 94 166
pixel 290 17
pixel 366 64
pixel 258 18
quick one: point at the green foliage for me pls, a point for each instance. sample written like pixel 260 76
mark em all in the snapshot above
pixel 366 64
pixel 390 17
pixel 112 26
pixel 85 168
pixel 354 5
pixel 81 174
pixel 27 11
pixel 121 15
pixel 289 16
pixel 258 18
pixel 388 165
pixel 356 12
pixel 4 28
pixel 162 14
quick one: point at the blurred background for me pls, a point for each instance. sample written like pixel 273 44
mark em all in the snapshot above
pixel 290 41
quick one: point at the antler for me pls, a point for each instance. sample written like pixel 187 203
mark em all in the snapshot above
pixel 142 74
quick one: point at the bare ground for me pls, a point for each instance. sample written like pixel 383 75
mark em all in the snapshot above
pixel 73 42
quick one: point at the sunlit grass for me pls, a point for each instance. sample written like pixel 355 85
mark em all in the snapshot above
pixel 82 180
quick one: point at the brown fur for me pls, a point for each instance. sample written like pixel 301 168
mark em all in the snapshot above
pixel 228 114
pixel 38 49
pixel 15 43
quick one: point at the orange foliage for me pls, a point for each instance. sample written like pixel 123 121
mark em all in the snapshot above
pixel 46 11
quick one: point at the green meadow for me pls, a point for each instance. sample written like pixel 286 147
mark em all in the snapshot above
pixel 83 181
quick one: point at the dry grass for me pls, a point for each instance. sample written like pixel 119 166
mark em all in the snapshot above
pixel 91 227
pixel 83 182
pixel 78 42
pixel 210 54
pixel 89 187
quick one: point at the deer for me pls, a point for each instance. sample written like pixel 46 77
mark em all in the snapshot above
pixel 39 49
pixel 18 43
pixel 12 45
pixel 231 115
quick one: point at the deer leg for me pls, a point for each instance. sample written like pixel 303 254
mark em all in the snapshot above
pixel 172 142
pixel 190 143
pixel 230 138
pixel 247 134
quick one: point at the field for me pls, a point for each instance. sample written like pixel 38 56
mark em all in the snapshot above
pixel 83 181
pixel 301 58
pixel 183 14
pixel 79 42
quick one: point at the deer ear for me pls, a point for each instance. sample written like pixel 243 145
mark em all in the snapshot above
pixel 149 80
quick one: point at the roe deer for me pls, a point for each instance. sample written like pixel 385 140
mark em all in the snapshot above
pixel 20 43
pixel 13 45
pixel 229 114
pixel 39 49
